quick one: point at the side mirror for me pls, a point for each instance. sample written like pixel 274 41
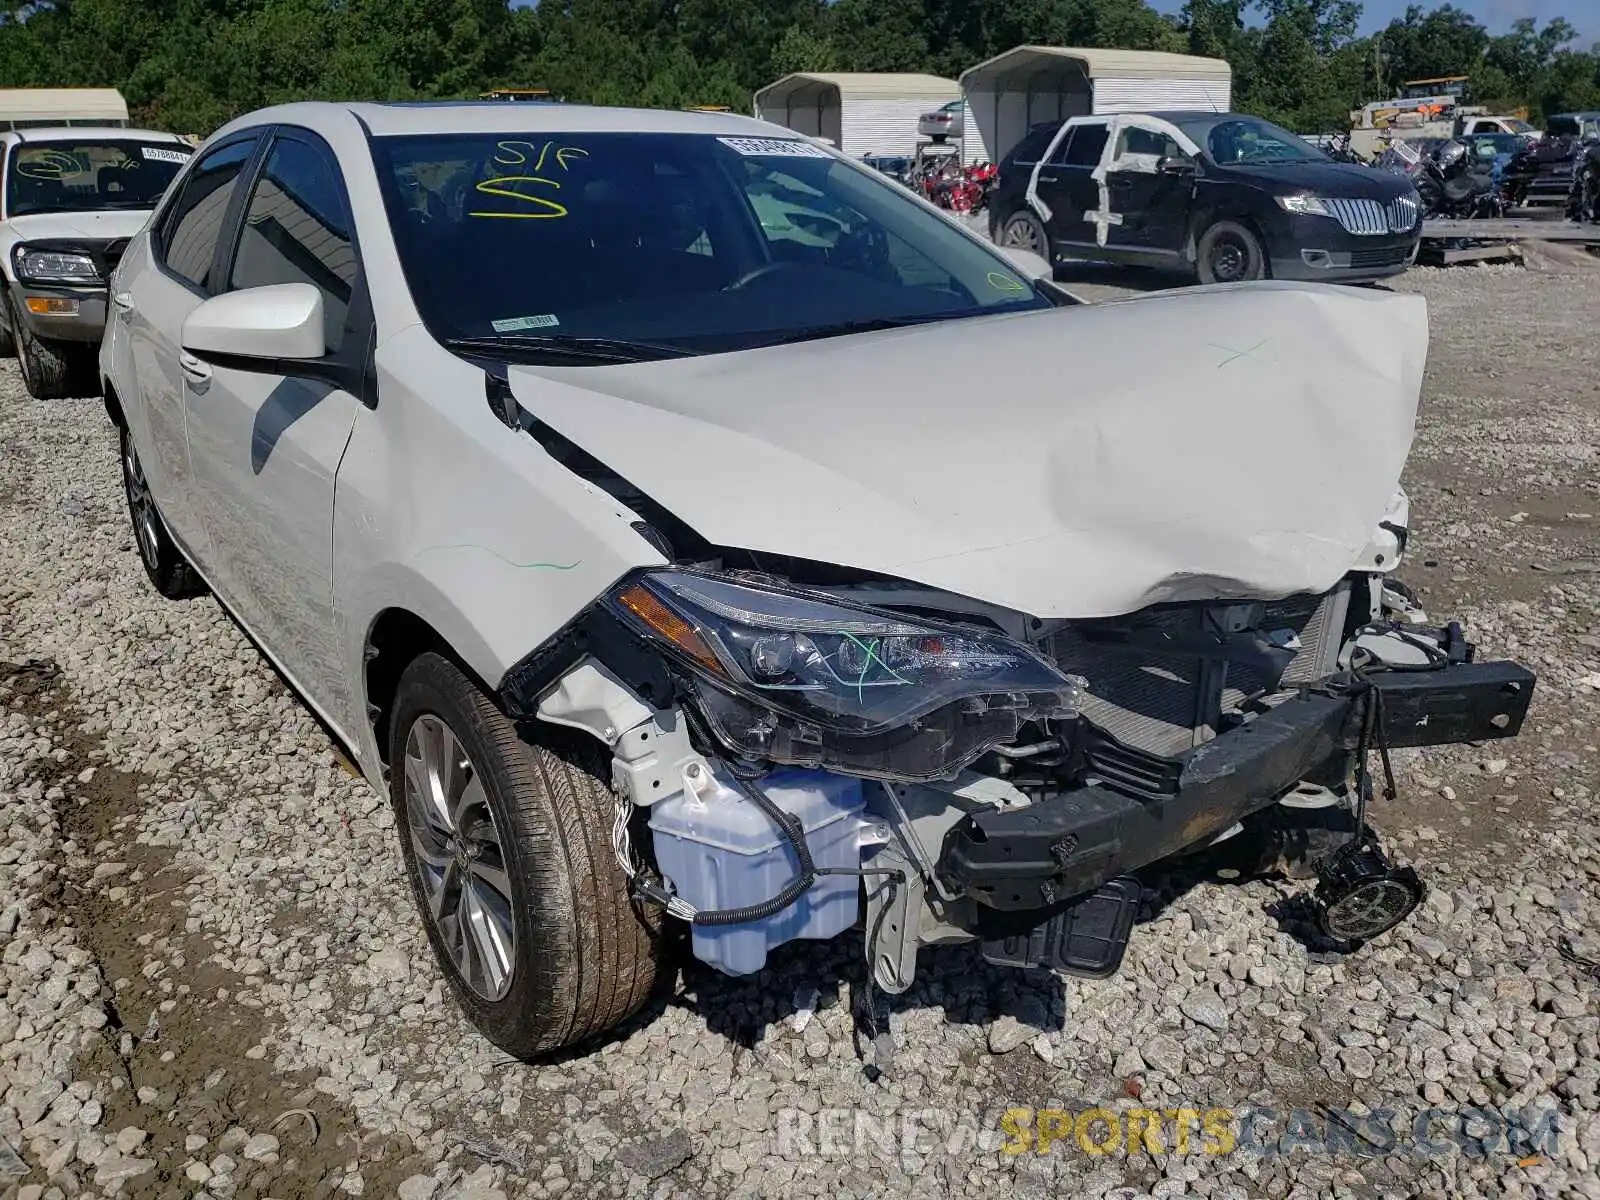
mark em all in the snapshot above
pixel 1174 164
pixel 278 321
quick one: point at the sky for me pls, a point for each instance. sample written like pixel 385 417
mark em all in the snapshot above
pixel 1496 15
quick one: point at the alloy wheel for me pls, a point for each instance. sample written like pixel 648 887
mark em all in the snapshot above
pixel 459 858
pixel 143 507
pixel 1022 234
pixel 1229 260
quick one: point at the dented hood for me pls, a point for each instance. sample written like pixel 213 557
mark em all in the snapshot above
pixel 1080 462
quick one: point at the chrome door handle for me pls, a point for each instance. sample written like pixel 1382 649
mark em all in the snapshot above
pixel 1049 179
pixel 123 300
pixel 195 370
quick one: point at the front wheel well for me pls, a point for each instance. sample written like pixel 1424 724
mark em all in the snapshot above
pixel 113 405
pixel 397 638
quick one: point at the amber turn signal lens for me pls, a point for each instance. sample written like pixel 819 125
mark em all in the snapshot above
pixel 52 306
pixel 669 625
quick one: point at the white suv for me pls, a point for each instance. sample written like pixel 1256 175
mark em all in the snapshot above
pixel 582 470
pixel 70 200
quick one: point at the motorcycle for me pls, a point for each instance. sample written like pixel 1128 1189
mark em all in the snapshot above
pixel 987 176
pixel 1452 184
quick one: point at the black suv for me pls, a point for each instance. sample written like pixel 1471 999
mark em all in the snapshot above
pixel 1228 196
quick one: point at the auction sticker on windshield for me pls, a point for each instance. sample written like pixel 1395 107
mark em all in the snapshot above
pixel 512 324
pixel 157 154
pixel 773 147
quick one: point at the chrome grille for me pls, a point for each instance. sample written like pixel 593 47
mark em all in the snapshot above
pixel 1364 218
pixel 1373 218
pixel 1403 212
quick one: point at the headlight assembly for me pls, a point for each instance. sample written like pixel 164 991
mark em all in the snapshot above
pixel 1305 206
pixel 801 678
pixel 54 266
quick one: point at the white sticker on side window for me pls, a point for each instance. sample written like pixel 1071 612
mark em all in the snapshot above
pixel 773 147
pixel 513 324
pixel 157 154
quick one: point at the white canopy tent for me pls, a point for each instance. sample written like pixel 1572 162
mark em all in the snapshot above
pixel 23 108
pixel 860 112
pixel 1016 90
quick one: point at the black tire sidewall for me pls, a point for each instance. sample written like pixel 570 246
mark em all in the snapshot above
pixel 522 1021
pixel 1256 265
pixel 8 328
pixel 171 575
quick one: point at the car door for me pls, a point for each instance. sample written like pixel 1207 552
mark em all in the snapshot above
pixel 266 439
pixel 1149 205
pixel 153 299
pixel 1066 185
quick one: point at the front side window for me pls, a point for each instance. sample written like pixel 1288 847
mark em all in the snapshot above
pixel 89 176
pixel 1135 140
pixel 193 225
pixel 689 242
pixel 296 230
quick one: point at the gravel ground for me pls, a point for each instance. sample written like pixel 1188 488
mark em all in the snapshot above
pixel 212 982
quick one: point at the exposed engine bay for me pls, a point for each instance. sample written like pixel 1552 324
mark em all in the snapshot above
pixel 793 760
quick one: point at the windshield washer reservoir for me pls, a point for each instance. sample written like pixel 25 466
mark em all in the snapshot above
pixel 718 851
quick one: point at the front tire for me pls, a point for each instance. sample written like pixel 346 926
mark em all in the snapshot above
pixel 1229 253
pixel 169 571
pixel 52 370
pixel 508 849
pixel 8 338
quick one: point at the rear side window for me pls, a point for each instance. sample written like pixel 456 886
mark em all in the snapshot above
pixel 1088 141
pixel 193 226
pixel 297 230
pixel 1028 151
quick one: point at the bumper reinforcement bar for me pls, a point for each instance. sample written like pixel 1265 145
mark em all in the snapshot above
pixel 1046 853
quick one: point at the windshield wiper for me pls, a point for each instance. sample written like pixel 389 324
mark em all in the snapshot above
pixel 562 347
pixel 840 328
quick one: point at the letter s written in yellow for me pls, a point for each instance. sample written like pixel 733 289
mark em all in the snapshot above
pixel 1017 1125
pixel 1218 1123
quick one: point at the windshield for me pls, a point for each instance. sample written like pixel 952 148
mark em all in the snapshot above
pixel 692 242
pixel 68 176
pixel 1250 140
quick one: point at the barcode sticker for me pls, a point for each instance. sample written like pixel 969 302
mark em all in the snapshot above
pixel 773 147
pixel 512 324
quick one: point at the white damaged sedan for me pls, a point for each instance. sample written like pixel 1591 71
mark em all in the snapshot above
pixel 692 530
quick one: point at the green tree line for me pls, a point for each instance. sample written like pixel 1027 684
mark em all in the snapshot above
pixel 189 65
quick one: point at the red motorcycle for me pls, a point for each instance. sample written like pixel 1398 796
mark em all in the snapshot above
pixel 954 188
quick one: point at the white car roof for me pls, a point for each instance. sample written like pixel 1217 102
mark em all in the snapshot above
pixel 501 116
pixel 89 133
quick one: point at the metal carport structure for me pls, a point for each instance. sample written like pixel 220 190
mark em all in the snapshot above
pixel 1011 92
pixel 860 112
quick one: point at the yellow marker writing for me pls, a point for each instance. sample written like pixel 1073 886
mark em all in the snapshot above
pixel 545 208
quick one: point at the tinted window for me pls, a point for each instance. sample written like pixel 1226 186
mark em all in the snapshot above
pixel 194 223
pixel 1253 141
pixel 1088 142
pixel 296 231
pixel 68 176
pixel 1027 151
pixel 1134 140
pixel 698 242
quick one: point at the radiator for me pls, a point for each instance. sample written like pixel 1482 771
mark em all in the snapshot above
pixel 1165 705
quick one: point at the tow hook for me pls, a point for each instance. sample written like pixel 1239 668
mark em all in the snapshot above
pixel 1361 894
